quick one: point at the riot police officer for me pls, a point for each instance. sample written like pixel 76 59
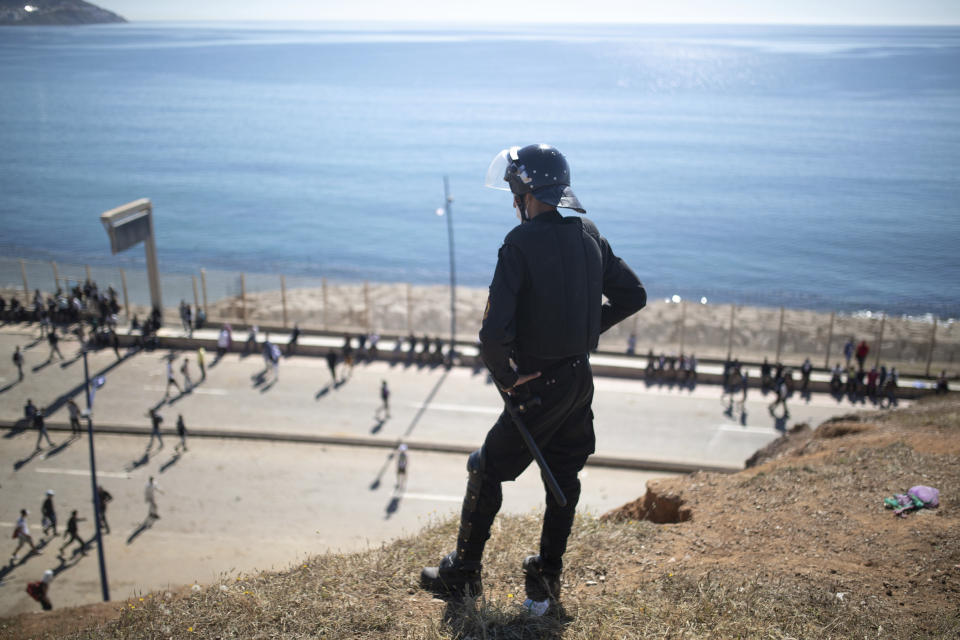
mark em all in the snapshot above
pixel 544 315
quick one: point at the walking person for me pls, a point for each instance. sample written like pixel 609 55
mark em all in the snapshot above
pixel 805 370
pixel 73 534
pixel 202 362
pixel 103 499
pixel 170 379
pixel 18 362
pixel 782 391
pixel 223 341
pixel 545 313
pixel 155 420
pixel 41 426
pixel 74 411
pixel 401 467
pixel 182 432
pixel 185 372
pixel 54 341
pixel 332 364
pixel 384 400
pixel 251 344
pixel 294 336
pixel 49 514
pixel 22 534
pixel 150 497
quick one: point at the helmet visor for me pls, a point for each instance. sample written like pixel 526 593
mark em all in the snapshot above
pixel 497 171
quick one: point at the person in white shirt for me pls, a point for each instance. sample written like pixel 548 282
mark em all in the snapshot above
pixel 150 497
pixel 22 534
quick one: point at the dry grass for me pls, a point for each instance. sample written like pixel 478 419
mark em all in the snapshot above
pixel 798 547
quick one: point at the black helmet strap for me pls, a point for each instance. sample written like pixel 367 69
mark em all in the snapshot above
pixel 521 205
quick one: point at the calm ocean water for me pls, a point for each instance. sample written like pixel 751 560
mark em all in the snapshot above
pixel 808 166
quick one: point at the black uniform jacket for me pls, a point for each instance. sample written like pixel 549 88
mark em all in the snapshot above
pixel 546 298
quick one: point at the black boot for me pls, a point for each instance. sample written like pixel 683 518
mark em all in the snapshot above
pixel 543 586
pixel 452 578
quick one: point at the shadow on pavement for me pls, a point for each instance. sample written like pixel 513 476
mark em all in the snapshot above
pixel 43 365
pixel 139 462
pixel 146 524
pixel 9 386
pixel 377 425
pixel 169 463
pixel 18 427
pixel 426 403
pixel 386 465
pixel 394 505
pixel 60 447
pixel 25 461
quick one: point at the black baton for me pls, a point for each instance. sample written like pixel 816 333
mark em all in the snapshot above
pixel 514 412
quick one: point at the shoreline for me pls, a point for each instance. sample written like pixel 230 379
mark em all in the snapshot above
pixel 665 327
pixel 223 283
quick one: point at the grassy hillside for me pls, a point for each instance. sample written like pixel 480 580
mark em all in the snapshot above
pixel 798 546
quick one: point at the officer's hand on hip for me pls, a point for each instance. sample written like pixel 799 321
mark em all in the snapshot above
pixel 523 379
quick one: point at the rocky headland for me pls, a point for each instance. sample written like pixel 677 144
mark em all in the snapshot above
pixel 54 12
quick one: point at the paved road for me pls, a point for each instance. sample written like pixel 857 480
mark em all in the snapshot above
pixel 235 506
pixel 429 404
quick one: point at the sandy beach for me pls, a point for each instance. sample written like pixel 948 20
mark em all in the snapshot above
pixel 663 326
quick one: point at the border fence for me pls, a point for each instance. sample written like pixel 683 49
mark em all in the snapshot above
pixel 915 345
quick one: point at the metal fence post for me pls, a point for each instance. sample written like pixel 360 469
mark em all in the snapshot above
pixel 409 308
pixel 283 298
pixel 196 298
pixel 203 284
pixel 883 320
pixel 326 304
pixel 243 299
pixel 826 361
pixel 933 343
pixel 733 308
pixel 366 304
pixel 126 300
pixel 779 337
pixel 26 289
pixel 683 321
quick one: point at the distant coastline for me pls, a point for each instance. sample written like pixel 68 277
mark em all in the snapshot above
pixel 53 13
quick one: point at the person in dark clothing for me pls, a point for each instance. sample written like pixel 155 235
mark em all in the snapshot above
pixel 545 313
pixel 54 340
pixel 182 432
pixel 103 498
pixel 155 420
pixel 18 362
pixel 332 364
pixel 49 514
pixel 73 534
pixel 41 426
pixel 294 336
pixel 805 376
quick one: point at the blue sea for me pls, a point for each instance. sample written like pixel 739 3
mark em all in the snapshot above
pixel 814 167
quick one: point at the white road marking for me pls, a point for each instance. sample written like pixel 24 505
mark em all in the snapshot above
pixel 198 391
pixel 84 472
pixel 463 408
pixel 432 497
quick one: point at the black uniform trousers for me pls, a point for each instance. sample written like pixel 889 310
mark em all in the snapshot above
pixel 562 426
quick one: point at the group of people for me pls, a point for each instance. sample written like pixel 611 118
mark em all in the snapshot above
pixel 666 369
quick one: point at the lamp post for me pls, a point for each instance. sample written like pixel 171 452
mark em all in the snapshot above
pixel 104 586
pixel 446 210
